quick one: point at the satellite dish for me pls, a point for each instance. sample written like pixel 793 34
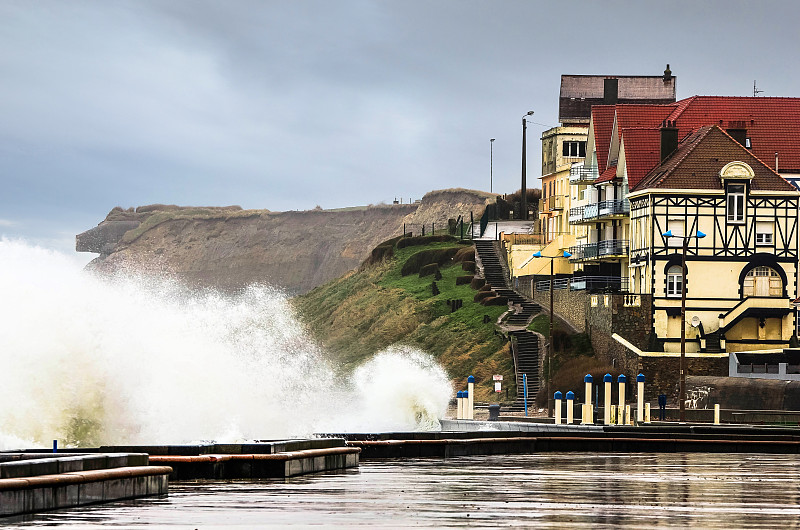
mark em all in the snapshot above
pixel 695 321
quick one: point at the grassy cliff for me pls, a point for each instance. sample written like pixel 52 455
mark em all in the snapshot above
pixel 365 311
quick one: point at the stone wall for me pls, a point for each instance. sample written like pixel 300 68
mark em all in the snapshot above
pixel 663 373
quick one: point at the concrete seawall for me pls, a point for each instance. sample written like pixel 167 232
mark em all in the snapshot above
pixel 31 482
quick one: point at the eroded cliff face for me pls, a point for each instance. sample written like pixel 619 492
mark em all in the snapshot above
pixel 229 248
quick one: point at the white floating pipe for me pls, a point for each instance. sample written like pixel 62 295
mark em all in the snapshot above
pixel 607 400
pixel 628 419
pixel 460 405
pixel 647 412
pixel 716 414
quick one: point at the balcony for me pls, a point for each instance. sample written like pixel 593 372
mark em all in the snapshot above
pixel 598 211
pixel 609 248
pixel 586 283
pixel 575 215
pixel 580 174
pixel 555 202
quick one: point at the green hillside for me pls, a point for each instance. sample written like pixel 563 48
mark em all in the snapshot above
pixel 363 312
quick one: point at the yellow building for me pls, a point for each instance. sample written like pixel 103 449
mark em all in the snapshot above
pixel 740 278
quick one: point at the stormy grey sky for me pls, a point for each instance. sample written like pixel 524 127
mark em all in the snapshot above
pixel 293 104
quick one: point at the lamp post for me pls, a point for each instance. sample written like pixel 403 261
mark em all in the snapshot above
pixel 684 250
pixel 524 200
pixel 549 350
pixel 491 162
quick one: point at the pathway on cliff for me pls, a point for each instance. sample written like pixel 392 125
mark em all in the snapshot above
pixel 525 343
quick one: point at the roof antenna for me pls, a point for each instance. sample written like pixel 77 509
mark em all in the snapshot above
pixel 756 91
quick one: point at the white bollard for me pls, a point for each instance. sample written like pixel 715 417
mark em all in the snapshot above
pixel 460 405
pixel 647 412
pixel 716 414
pixel 557 399
pixel 628 419
pixel 587 406
pixel 470 412
pixel 607 400
pixel 621 380
pixel 570 407
pixel 640 398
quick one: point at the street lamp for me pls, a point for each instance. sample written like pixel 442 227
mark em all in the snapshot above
pixel 684 250
pixel 524 201
pixel 491 162
pixel 549 350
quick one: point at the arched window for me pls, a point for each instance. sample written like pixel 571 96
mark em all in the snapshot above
pixel 674 281
pixel 762 281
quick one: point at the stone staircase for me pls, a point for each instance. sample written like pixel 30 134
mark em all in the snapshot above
pixel 526 361
pixel 525 343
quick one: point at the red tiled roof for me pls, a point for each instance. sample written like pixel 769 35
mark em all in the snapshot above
pixel 603 120
pixel 773 124
pixel 607 175
pixel 642 115
pixel 700 157
pixel 642 152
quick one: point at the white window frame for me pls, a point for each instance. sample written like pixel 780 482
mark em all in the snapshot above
pixel 674 282
pixel 764 233
pixel 735 204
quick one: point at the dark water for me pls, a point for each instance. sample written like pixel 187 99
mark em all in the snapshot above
pixel 564 490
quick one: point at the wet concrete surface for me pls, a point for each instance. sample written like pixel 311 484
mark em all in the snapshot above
pixel 541 490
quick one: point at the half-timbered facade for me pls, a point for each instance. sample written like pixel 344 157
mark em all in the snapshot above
pixel 742 276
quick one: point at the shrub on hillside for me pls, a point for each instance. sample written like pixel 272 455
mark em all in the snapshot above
pixel 495 300
pixel 427 270
pixel 414 241
pixel 480 295
pixel 383 251
pixel 465 254
pixel 477 283
pixel 486 287
pixel 468 266
pixel 440 256
pixel 464 280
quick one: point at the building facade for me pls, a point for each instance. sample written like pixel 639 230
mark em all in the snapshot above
pixel 741 277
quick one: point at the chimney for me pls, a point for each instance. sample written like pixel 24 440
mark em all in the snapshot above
pixel 669 139
pixel 667 74
pixel 610 91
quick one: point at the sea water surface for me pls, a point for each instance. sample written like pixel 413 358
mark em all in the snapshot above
pixel 540 490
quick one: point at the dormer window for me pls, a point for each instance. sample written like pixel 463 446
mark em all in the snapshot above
pixel 735 203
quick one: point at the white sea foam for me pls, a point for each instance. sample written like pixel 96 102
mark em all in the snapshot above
pixel 129 359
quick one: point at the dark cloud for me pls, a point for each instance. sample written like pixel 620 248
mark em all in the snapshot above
pixel 286 105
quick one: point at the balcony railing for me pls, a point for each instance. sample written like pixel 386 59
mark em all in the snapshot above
pixel 579 173
pixel 585 283
pixel 576 214
pixel 599 210
pixel 555 202
pixel 605 248
pixel 613 247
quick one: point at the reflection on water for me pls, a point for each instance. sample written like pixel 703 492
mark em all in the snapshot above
pixel 636 490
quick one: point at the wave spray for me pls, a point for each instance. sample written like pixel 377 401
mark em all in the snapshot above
pixel 135 360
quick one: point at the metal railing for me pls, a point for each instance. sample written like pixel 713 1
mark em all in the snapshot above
pixel 598 210
pixel 581 173
pixel 607 247
pixel 555 202
pixel 585 283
